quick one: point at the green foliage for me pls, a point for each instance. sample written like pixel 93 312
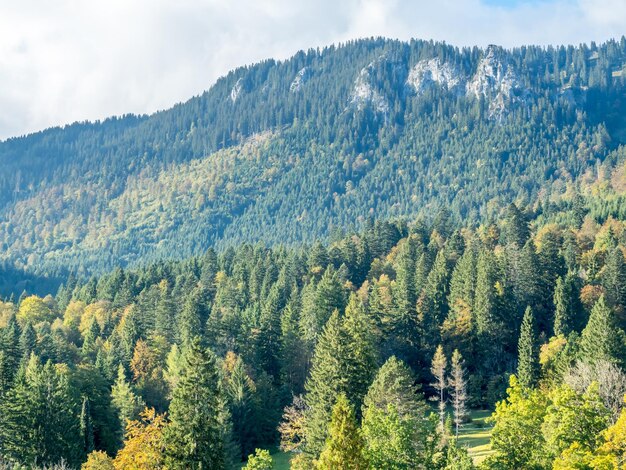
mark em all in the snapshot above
pixel 601 339
pixel 528 354
pixel 344 447
pixel 39 419
pixel 195 436
pixel 260 460
pixel 395 427
pixel 516 438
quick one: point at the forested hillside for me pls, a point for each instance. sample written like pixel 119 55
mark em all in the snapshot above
pixel 334 351
pixel 287 152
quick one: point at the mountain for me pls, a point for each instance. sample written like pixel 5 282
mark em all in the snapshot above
pixel 293 151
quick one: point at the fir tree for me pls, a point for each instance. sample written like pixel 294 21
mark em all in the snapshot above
pixel 127 404
pixel 194 438
pixel 328 379
pixel 528 357
pixel 344 447
pixel 516 226
pixel 395 429
pixel 86 426
pixel 601 339
pixel 566 306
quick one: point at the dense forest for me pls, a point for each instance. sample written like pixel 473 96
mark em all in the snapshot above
pixel 288 152
pixel 337 259
pixel 365 352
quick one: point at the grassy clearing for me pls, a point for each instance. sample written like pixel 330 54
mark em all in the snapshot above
pixel 281 460
pixel 476 436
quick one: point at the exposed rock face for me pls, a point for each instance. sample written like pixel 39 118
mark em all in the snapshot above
pixel 364 93
pixel 496 81
pixel 428 73
pixel 301 78
pixel 236 90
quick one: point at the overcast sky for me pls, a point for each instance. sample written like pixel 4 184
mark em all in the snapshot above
pixel 68 60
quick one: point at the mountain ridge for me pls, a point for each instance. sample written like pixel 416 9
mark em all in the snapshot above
pixel 344 139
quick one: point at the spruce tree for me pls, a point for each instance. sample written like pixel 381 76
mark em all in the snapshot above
pixel 516 226
pixel 395 427
pixel 601 339
pixel 126 403
pixel 28 341
pixel 328 378
pixel 566 306
pixel 344 447
pixel 528 356
pixel 86 427
pixel 362 351
pixel 614 278
pixel 433 306
pixel 194 438
pixel 192 317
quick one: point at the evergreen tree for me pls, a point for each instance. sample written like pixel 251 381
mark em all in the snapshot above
pixel 328 378
pixel 614 278
pixel 192 317
pixel 86 427
pixel 39 421
pixel 432 306
pixel 528 356
pixel 601 339
pixel 395 427
pixel 516 226
pixel 566 306
pixel 194 438
pixel 124 400
pixel 344 447
pixel 362 353
pixel 28 341
pixel 164 317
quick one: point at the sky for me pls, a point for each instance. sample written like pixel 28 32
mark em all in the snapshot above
pixel 72 60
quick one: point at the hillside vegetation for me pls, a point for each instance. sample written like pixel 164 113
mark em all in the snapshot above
pixel 287 152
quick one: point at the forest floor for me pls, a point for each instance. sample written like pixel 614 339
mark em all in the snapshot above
pixel 476 436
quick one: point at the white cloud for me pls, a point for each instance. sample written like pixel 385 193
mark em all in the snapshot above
pixel 73 60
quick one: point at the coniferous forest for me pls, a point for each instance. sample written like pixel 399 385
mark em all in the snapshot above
pixel 336 259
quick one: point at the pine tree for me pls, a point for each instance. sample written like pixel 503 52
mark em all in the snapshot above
pixel 194 438
pixel 318 303
pixel 485 299
pixel 344 447
pixel 438 370
pixel 528 356
pixel 601 339
pixel 458 386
